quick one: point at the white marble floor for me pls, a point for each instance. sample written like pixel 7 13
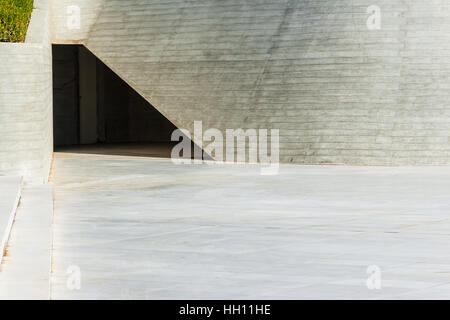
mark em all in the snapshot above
pixel 25 271
pixel 148 229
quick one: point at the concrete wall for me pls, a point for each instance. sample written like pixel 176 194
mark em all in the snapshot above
pixel 65 18
pixel 338 92
pixel 26 101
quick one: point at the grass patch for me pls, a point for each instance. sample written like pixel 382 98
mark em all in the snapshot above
pixel 14 19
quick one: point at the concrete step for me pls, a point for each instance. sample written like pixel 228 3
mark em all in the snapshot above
pixel 25 272
pixel 10 190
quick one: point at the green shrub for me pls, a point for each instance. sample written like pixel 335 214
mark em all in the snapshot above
pixel 14 19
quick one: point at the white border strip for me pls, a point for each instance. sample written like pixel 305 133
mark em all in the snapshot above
pixel 12 217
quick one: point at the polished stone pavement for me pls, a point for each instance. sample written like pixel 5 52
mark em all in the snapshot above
pixel 25 271
pixel 146 228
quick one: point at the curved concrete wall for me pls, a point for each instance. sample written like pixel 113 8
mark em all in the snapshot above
pixel 26 143
pixel 339 92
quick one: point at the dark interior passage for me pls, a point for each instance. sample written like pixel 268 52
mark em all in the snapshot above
pixel 92 106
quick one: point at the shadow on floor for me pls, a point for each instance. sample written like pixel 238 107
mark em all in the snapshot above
pixel 138 149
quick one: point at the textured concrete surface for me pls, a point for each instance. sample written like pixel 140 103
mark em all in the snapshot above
pixel 338 92
pixel 10 190
pixel 26 142
pixel 146 228
pixel 65 17
pixel 25 271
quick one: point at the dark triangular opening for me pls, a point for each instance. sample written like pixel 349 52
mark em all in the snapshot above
pixel 95 111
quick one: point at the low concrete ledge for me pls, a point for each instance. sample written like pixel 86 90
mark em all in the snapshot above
pixel 26 99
